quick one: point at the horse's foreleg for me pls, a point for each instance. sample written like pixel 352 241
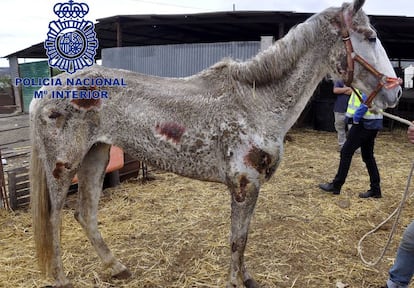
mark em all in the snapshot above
pixel 91 176
pixel 244 197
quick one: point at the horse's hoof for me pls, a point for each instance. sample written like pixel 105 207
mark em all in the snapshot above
pixel 250 283
pixel 125 274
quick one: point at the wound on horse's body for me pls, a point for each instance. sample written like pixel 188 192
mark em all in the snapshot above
pixel 87 104
pixel 172 131
pixel 240 195
pixel 258 159
pixel 59 169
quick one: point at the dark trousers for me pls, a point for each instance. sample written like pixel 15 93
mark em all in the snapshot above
pixel 358 136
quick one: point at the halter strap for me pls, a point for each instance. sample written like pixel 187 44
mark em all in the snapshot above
pixel 351 57
pixel 349 50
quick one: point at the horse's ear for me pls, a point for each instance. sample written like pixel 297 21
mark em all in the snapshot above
pixel 357 5
pixel 350 10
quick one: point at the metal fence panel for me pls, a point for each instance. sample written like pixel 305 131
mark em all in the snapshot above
pixel 38 69
pixel 176 60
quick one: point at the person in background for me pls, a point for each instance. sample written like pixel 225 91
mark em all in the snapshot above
pixel 343 92
pixel 363 132
pixel 402 271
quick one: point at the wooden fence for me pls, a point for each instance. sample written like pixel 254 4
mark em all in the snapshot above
pixel 19 186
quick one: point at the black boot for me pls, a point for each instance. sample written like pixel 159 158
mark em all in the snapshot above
pixel 330 187
pixel 370 194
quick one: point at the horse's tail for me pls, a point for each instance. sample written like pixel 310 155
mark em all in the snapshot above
pixel 40 205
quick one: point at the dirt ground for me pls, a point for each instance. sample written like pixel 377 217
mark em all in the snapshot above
pixel 173 232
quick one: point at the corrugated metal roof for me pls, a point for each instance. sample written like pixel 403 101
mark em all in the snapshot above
pixel 144 30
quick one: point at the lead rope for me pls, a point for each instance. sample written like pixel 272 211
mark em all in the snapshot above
pixel 397 211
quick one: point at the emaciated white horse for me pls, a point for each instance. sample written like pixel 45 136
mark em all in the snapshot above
pixel 225 124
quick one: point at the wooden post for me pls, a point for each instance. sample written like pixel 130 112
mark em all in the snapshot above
pixel 4 203
pixel 281 30
pixel 118 33
pixel 14 72
pixel 12 190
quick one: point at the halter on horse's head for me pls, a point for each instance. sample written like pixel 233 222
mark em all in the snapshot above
pixel 376 77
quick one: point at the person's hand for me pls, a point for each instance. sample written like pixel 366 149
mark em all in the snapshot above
pixel 410 133
pixel 348 90
pixel 359 113
pixel 364 97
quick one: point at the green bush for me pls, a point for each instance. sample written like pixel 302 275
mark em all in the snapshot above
pixel 5 82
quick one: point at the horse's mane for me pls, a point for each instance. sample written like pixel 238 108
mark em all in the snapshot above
pixel 272 63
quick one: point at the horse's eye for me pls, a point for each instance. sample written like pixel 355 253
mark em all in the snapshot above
pixel 372 39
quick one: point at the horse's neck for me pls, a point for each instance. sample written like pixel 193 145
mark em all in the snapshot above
pixel 284 77
pixel 289 100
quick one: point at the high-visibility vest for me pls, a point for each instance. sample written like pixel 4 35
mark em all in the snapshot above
pixel 354 103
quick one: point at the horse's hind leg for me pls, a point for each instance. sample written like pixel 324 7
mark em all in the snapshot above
pixel 91 175
pixel 49 183
pixel 243 200
pixel 58 187
pixel 55 219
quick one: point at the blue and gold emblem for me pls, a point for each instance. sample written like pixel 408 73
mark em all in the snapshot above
pixel 71 42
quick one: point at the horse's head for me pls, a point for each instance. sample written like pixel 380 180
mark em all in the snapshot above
pixel 362 61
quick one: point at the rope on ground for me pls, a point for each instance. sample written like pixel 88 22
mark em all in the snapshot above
pixel 397 211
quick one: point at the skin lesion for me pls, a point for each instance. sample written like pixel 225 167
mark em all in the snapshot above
pixel 258 159
pixel 261 161
pixel 239 187
pixel 87 104
pixel 171 131
pixel 240 193
pixel 59 168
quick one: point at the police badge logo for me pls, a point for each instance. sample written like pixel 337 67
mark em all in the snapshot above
pixel 71 41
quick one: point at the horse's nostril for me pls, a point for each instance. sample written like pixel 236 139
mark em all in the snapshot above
pixel 399 93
